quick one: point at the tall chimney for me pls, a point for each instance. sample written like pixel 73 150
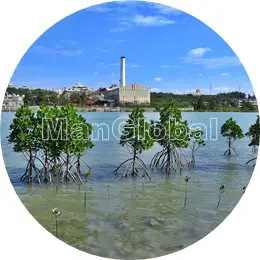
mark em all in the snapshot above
pixel 122 78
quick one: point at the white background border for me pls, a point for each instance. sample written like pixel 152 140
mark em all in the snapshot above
pixel 22 22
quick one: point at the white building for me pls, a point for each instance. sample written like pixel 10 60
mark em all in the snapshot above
pixel 79 87
pixel 12 102
pixel 132 94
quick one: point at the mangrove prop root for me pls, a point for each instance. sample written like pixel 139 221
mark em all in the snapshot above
pixel 133 166
pixel 169 159
pixel 251 160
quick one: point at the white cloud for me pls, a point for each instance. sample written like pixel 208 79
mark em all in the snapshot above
pixel 127 23
pixel 200 74
pixel 198 52
pixel 224 74
pixel 141 20
pixel 122 26
pixel 211 63
pixel 158 79
pixel 164 9
pixel 113 74
pixel 96 73
pixel 155 90
pixel 57 51
pixel 99 9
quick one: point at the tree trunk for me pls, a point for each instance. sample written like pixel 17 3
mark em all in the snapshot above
pixel 229 146
pixel 30 166
pixel 168 165
pixel 46 166
pixel 78 164
pixel 67 166
pixel 133 171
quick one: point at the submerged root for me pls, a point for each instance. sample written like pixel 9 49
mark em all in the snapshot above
pixel 168 160
pixel 53 171
pixel 133 167
pixel 251 160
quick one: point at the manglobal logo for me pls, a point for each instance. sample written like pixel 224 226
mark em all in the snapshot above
pixel 60 129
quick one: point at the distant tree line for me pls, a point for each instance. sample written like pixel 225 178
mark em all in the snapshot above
pixel 219 102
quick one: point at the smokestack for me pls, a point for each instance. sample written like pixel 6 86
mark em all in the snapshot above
pixel 122 79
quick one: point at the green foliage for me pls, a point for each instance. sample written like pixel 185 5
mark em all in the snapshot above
pixel 54 133
pixel 233 131
pixel 172 133
pixel 221 102
pixel 136 136
pixel 247 107
pixel 254 133
pixel 24 133
pixel 199 104
pixel 136 133
pixel 171 130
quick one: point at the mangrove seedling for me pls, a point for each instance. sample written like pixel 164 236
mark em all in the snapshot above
pixel 56 213
pixel 108 187
pixel 254 135
pixel 196 142
pixel 221 191
pixel 173 135
pixel 233 132
pixel 87 175
pixel 136 137
pixel 186 179
pixel 85 199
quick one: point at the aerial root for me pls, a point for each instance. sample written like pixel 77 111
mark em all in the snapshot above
pixel 251 160
pixel 133 167
pixel 168 159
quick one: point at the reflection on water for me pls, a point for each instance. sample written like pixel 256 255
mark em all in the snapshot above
pixel 138 218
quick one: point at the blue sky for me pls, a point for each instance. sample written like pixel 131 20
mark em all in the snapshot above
pixel 166 50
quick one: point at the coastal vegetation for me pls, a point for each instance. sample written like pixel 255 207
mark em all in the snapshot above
pixel 136 137
pixel 222 102
pixel 232 131
pixel 254 136
pixel 172 133
pixel 53 141
pixel 125 208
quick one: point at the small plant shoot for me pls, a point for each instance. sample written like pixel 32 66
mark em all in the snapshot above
pixel 56 212
pixel 186 179
pixel 221 191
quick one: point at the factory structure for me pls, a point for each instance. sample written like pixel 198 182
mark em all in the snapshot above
pixel 127 94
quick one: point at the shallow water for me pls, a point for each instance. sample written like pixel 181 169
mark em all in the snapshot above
pixel 138 218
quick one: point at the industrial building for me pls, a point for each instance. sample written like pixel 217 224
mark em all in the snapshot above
pixel 128 94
